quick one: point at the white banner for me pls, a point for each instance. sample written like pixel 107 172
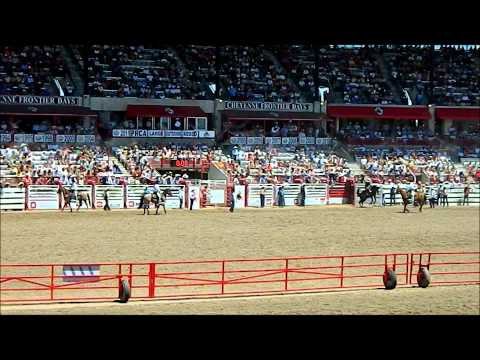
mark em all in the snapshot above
pixel 206 134
pixel 268 106
pixel 255 140
pixel 85 138
pixel 238 140
pixel 23 138
pixel 65 138
pixel 43 138
pixel 159 133
pixel 5 138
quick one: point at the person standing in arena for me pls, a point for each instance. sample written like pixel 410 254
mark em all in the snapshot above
pixel 392 194
pixel 232 201
pixel 180 197
pixel 193 197
pixel 106 197
pixel 262 197
pixel 466 193
pixel 432 197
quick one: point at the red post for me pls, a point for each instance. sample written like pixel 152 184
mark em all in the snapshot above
pixel 223 276
pixel 386 263
pixel 151 281
pixel 411 268
pixel 341 272
pixel 286 274
pixel 52 274
pixel 119 279
pixel 130 280
pixel 428 265
pixel 394 262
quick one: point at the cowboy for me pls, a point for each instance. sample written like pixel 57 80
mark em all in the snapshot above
pixel 466 193
pixel 106 197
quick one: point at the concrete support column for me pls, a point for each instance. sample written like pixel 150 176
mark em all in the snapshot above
pixel 432 120
pixel 446 125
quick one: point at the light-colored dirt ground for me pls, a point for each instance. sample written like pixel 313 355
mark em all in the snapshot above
pixel 95 236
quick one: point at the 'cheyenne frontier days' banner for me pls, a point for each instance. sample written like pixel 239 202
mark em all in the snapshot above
pixel 268 106
pixel 40 100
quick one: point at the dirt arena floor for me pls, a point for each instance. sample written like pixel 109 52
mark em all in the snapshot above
pixel 126 235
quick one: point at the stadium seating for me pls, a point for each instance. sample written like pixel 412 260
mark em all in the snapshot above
pixel 30 70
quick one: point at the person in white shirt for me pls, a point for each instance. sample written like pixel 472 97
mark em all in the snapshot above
pixel 193 197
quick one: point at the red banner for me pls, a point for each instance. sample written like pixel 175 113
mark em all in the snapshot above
pixel 458 113
pixel 379 112
pixel 164 111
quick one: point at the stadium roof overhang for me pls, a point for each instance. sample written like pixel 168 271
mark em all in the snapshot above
pixel 45 110
pixel 271 116
pixel 458 113
pixel 164 111
pixel 387 112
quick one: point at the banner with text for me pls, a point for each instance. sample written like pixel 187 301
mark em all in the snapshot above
pixel 268 106
pixel 40 100
pixel 163 133
pixel 260 140
pixel 47 138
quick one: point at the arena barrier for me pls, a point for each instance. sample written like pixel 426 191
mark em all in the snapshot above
pixel 455 195
pixel 42 197
pixel 292 194
pixel 337 194
pixel 12 198
pixel 116 199
pixel 81 188
pixel 239 189
pixel 253 195
pixel 134 193
pixel 37 283
pixel 316 194
pixel 216 192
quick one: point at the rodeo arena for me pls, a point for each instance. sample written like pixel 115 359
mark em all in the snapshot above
pixel 218 179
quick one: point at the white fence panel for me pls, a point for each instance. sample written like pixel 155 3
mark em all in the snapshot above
pixel 12 198
pixel 116 196
pixel 134 194
pixel 173 202
pixel 316 194
pixel 239 189
pixel 253 191
pixel 81 188
pixel 292 194
pixel 43 197
pixel 216 190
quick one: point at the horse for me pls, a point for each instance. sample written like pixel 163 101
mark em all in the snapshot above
pixel 68 196
pixel 419 199
pixel 156 200
pixel 365 194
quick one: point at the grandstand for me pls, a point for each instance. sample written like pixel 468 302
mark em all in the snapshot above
pixel 266 114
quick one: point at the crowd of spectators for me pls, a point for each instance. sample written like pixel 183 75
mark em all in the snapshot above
pixel 274 167
pixel 456 77
pixel 68 165
pixel 135 71
pixel 249 75
pixel 30 70
pixel 299 62
pixel 359 130
pixel 277 129
pixel 37 125
pixel 409 68
pixel 138 161
pixel 391 165
pixel 354 74
pixel 200 62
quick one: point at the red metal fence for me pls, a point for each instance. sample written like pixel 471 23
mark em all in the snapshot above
pixel 37 283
